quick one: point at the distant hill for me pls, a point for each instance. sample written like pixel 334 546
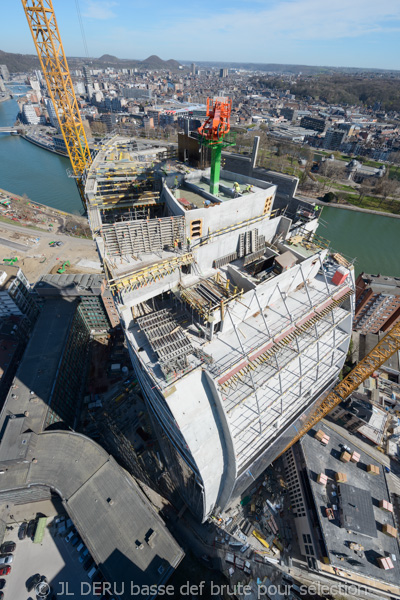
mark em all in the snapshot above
pixel 108 58
pixel 288 69
pixel 18 63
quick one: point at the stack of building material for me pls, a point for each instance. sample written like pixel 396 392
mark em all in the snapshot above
pixel 373 469
pixel 322 437
pixel 355 457
pixel 385 505
pixel 345 456
pixel 341 477
pixel 322 479
pixel 389 530
pixel 385 562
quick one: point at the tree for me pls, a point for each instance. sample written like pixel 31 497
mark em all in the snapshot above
pixel 329 197
pixel 395 159
pixel 364 189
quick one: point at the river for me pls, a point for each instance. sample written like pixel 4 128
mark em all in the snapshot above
pixel 373 241
pixel 28 169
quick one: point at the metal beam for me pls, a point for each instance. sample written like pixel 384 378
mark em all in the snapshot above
pixel 365 368
pixel 46 36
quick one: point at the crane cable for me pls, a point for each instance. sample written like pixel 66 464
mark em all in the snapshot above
pixel 85 46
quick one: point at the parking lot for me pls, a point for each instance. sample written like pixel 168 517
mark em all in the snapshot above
pixel 54 558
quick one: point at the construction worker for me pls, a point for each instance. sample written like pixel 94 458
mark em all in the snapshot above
pixel 176 183
pixel 188 242
pixel 249 188
pixel 176 244
pixel 236 189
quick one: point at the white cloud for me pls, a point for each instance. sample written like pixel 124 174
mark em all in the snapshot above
pixel 99 10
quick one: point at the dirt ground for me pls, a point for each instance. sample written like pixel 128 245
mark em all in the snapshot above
pixel 36 257
pixel 22 211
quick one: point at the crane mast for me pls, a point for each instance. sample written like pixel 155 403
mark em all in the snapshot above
pixel 384 349
pixel 46 36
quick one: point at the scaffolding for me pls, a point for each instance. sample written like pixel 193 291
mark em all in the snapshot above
pixel 149 275
pixel 210 295
pixel 273 347
pixel 132 238
pixel 168 340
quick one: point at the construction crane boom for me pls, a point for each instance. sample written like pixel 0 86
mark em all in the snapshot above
pixel 46 36
pixel 384 349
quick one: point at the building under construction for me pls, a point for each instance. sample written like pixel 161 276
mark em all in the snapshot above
pixel 237 316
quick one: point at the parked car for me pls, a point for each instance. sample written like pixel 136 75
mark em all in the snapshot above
pixel 83 556
pixel 6 559
pixel 1 595
pixel 30 532
pixel 7 547
pixel 88 563
pixel 69 537
pixel 5 570
pixel 22 530
pixel 32 582
pixel 2 583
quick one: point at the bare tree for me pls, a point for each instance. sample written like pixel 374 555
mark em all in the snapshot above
pixel 385 187
pixel 395 159
pixel 364 189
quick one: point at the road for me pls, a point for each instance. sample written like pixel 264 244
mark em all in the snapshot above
pixel 14 245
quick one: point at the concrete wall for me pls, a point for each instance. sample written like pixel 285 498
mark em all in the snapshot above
pixel 229 474
pixel 268 293
pixel 193 406
pixel 237 163
pixel 226 244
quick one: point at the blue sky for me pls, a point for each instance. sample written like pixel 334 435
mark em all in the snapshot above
pixel 359 33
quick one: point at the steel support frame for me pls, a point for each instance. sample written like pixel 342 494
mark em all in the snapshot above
pixel 302 376
pixel 385 348
pixel 46 36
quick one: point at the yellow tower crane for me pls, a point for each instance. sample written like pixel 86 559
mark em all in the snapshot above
pixel 384 349
pixel 46 36
pixel 45 33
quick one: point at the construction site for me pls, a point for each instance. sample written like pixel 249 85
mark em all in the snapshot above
pixel 237 317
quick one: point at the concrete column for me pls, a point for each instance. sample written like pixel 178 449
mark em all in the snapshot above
pixel 254 154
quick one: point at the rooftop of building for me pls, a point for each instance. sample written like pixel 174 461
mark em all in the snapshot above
pixel 374 417
pixel 7 350
pixel 125 536
pixel 33 383
pixel 7 275
pixel 368 341
pixel 326 460
pixel 382 284
pixel 356 510
pixel 72 285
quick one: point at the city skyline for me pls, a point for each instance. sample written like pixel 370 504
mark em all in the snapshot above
pixel 297 32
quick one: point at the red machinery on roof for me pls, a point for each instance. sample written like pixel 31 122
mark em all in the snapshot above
pixel 217 123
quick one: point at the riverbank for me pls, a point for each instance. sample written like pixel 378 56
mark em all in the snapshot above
pixel 347 207
pixel 31 170
pixel 21 210
pixel 30 138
